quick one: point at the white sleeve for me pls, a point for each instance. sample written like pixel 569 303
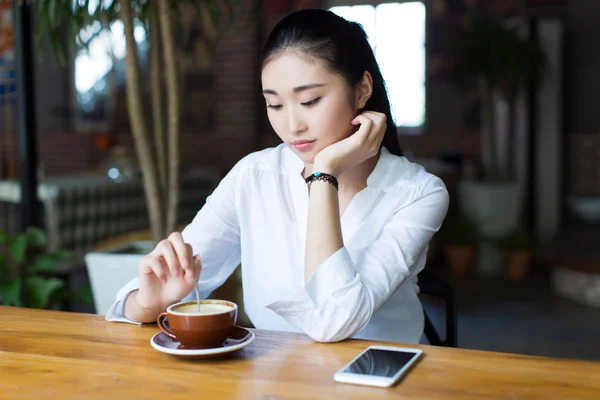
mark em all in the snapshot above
pixel 341 296
pixel 214 234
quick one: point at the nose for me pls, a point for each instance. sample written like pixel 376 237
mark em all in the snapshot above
pixel 295 122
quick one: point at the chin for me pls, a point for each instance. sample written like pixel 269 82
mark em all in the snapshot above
pixel 306 158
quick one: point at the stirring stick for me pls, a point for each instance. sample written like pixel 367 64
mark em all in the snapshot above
pixel 196 287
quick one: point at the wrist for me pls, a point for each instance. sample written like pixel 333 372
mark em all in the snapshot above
pixel 136 311
pixel 324 177
pixel 324 167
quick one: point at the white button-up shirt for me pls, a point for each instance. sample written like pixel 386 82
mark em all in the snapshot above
pixel 367 289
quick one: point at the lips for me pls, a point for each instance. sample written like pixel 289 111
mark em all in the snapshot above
pixel 300 142
pixel 303 145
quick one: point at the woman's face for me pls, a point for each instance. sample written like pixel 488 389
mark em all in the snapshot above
pixel 309 107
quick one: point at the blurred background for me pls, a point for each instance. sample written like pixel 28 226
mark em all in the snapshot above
pixel 497 97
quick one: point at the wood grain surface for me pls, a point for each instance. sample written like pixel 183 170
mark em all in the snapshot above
pixel 59 355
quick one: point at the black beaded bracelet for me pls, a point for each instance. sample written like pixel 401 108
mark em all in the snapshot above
pixel 322 176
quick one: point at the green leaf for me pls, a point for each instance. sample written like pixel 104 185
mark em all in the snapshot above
pixel 42 263
pixel 4 238
pixel 59 23
pixel 144 16
pixel 18 247
pixel 10 293
pixel 60 295
pixel 36 237
pixel 52 12
pixel 111 11
pixel 84 295
pixel 61 254
pixel 47 262
pixel 40 289
pixel 95 15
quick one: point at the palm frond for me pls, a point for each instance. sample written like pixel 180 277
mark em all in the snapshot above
pixel 61 23
pixel 56 19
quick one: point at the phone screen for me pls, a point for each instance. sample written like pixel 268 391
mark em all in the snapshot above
pixel 378 362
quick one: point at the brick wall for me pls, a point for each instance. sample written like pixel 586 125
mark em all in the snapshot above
pixel 236 96
pixel 232 135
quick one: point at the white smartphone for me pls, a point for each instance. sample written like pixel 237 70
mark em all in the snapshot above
pixel 378 366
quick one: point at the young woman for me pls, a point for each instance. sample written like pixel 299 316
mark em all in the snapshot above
pixel 332 226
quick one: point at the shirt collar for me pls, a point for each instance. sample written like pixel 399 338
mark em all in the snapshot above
pixel 292 162
pixel 377 180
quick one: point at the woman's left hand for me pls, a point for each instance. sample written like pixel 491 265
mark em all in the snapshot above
pixel 360 146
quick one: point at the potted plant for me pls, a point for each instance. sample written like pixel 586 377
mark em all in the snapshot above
pixel 497 61
pixel 516 248
pixel 157 144
pixel 459 237
pixel 28 272
pixel 157 149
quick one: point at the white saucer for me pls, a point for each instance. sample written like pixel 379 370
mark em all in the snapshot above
pixel 238 339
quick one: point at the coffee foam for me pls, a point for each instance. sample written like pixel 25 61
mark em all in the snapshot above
pixel 205 309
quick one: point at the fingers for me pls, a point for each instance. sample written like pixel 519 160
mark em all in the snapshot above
pixel 379 120
pixel 192 278
pixel 365 126
pixel 155 265
pixel 361 119
pixel 167 252
pixel 197 265
pixel 372 115
pixel 183 250
pixel 161 268
pixel 174 254
pixel 191 266
pixel 371 122
pixel 373 126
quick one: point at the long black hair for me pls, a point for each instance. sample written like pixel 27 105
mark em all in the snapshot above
pixel 343 47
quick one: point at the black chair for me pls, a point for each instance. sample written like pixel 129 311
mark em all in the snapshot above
pixel 432 285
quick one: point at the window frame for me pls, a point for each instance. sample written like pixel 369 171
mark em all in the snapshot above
pixel 401 130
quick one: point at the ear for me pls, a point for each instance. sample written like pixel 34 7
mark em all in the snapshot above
pixel 363 90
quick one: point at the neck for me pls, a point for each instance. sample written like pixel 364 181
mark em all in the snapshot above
pixel 353 179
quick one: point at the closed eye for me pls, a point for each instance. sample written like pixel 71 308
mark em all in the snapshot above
pixel 312 102
pixel 274 106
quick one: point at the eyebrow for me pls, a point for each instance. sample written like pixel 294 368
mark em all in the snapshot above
pixel 297 89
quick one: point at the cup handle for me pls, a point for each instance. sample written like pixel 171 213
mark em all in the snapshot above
pixel 163 324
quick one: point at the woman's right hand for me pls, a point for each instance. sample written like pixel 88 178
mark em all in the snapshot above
pixel 167 274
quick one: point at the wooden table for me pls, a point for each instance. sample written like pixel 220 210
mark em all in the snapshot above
pixel 47 354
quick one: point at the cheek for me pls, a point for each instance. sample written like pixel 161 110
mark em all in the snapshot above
pixel 276 121
pixel 334 120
